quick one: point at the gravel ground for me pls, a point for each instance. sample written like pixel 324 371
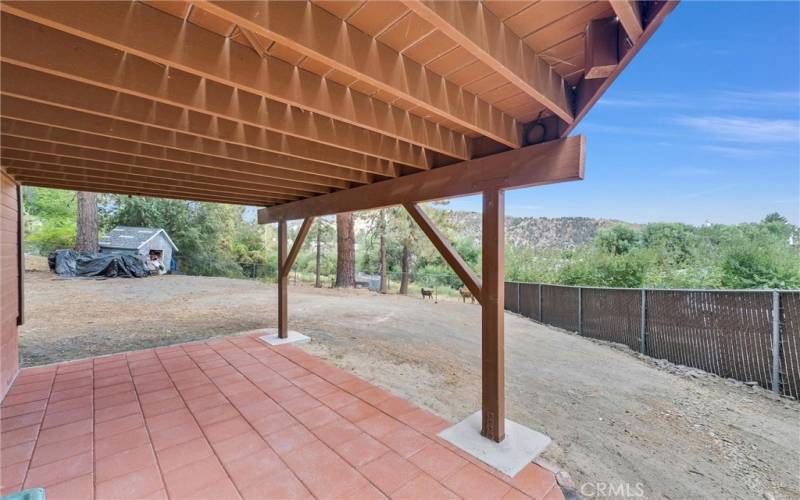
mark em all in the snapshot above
pixel 615 418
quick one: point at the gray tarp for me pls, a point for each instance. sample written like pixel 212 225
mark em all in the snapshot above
pixel 72 263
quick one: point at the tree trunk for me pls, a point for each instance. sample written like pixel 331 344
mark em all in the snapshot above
pixel 86 238
pixel 384 282
pixel 406 264
pixel 345 251
pixel 317 283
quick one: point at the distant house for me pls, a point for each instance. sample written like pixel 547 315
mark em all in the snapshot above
pixel 143 241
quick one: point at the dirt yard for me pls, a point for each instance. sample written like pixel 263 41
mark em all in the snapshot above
pixel 614 417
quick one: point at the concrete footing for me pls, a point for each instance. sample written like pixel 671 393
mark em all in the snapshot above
pixel 520 446
pixel 272 338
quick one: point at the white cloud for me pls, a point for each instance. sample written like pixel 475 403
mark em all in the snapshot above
pixel 743 129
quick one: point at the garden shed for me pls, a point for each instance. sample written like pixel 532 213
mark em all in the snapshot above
pixel 144 241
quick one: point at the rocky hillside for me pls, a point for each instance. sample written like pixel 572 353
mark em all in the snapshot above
pixel 537 232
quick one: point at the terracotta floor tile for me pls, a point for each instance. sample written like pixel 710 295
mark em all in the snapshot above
pixel 113 389
pixel 374 396
pixel 22 409
pixel 216 414
pixel 437 461
pixel 11 455
pixel 63 432
pixel 79 487
pixel 306 380
pixel 425 422
pixel 222 489
pixel 396 407
pixel 13 474
pixel 367 492
pixel 338 399
pixel 198 391
pixel 379 425
pixel 261 409
pixel 285 394
pixel 324 472
pixel 27 397
pixel 534 481
pixel 171 419
pixel 317 417
pixel 515 494
pixel 117 426
pixel 423 487
pixel 125 441
pixel 45 454
pixel 159 395
pixel 355 386
pixel 389 472
pixel 118 411
pixel 226 429
pixel 59 471
pixel 273 423
pixel 194 476
pixel 184 453
pixel 26 420
pixel 320 389
pixel 204 402
pixel 163 406
pixel 239 446
pixel 56 418
pixel 124 462
pixel 116 399
pixel 300 404
pixel 357 411
pixel 472 482
pixel 165 438
pixel 291 438
pixel 361 450
pixel 337 432
pixel 18 436
pixel 136 485
pixel 250 468
pixel 405 441
pixel 283 485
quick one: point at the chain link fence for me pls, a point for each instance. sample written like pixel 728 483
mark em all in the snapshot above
pixel 750 336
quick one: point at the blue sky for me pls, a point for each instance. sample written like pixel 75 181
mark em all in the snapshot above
pixel 704 124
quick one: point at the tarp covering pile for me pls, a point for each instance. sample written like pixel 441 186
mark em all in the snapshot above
pixel 87 264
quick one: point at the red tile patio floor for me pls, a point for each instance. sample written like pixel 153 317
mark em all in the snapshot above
pixel 231 418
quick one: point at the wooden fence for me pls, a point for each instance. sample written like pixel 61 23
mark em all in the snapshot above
pixel 751 336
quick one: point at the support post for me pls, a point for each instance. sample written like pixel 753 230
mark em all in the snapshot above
pixel 643 323
pixel 580 312
pixel 492 328
pixel 776 342
pixel 540 304
pixel 283 282
pixel 285 262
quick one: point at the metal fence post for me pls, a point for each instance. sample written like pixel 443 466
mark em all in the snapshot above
pixel 580 312
pixel 540 304
pixel 643 324
pixel 776 342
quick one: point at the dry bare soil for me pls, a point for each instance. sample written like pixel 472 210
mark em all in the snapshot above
pixel 614 416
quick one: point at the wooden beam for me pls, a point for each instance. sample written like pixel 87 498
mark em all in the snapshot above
pixel 167 40
pixel 448 253
pixel 73 57
pixel 19 163
pixel 316 33
pixel 283 282
pixel 550 162
pixel 41 87
pixel 473 26
pixel 305 227
pixel 629 13
pixel 119 188
pixel 492 319
pixel 282 183
pixel 601 47
pixel 588 91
